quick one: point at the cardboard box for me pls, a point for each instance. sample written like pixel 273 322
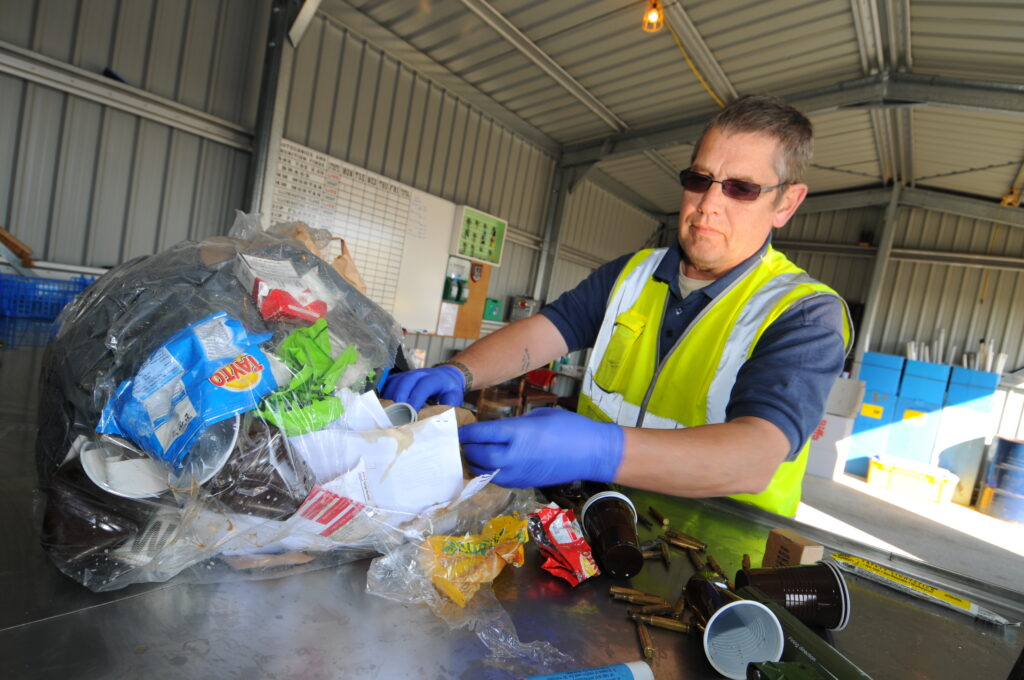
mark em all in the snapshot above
pixel 786 548
pixel 830 443
pixel 845 397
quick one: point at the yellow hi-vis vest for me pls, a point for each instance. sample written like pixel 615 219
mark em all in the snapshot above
pixel 623 382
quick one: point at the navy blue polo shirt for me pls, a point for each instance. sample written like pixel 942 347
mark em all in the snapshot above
pixel 787 379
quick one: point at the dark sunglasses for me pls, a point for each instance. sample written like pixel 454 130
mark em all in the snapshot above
pixel 733 188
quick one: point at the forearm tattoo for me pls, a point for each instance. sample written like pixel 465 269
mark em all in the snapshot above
pixel 526 360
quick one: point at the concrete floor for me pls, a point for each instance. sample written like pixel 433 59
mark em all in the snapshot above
pixel 945 535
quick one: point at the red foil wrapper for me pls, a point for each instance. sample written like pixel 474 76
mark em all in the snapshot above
pixel 560 540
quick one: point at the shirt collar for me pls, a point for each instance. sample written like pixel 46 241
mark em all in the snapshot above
pixel 668 270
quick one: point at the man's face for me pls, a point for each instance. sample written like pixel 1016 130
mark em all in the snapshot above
pixel 717 232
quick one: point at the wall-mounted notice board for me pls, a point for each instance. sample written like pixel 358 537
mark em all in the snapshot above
pixel 399 236
pixel 478 236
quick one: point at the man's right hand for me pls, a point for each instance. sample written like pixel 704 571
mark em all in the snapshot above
pixel 445 384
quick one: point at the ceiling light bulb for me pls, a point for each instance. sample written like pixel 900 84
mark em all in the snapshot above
pixel 654 17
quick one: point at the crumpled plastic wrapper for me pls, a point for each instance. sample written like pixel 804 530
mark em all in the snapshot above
pixel 488 530
pixel 172 399
pixel 208 413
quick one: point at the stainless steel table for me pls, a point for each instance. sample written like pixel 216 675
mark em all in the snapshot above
pixel 322 624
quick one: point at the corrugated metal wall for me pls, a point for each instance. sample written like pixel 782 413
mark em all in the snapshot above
pixel 352 101
pixel 919 297
pixel 84 183
pixel 597 227
pixel 205 54
pixel 970 302
pixel 849 276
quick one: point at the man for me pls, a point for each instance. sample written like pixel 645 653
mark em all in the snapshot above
pixel 712 359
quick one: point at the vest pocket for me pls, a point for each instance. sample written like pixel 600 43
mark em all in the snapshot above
pixel 611 373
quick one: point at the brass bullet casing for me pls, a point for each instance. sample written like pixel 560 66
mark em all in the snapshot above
pixel 713 563
pixel 651 609
pixel 642 599
pixel 623 590
pixel 646 643
pixel 680 605
pixel 746 561
pixel 656 514
pixel 644 522
pixel 651 554
pixel 681 544
pixel 698 563
pixel 679 535
pixel 663 622
pixel 664 555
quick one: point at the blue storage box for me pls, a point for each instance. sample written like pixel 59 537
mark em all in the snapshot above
pixel 925 381
pixel 881 373
pixel 870 431
pixel 914 429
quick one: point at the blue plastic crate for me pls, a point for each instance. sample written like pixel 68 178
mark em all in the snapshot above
pixel 33 297
pixel 18 332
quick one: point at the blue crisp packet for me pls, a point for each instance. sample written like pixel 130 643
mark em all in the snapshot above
pixel 204 374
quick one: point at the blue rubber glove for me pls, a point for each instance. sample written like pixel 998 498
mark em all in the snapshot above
pixel 545 447
pixel 445 383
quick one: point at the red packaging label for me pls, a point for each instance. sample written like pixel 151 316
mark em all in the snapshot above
pixel 559 538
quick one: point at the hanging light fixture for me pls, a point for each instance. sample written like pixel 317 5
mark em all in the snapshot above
pixel 654 16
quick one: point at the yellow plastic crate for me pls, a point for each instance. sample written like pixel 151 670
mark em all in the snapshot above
pixel 910 478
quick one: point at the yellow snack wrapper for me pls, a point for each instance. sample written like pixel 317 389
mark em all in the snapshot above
pixel 459 565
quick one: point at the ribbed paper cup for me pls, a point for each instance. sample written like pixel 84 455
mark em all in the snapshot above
pixel 814 593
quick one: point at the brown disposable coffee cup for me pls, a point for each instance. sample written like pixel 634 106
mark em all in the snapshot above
pixel 814 593
pixel 609 521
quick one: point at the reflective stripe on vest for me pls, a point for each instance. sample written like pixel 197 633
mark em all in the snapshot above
pixel 756 298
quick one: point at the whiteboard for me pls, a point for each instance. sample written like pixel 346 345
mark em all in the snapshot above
pixel 398 236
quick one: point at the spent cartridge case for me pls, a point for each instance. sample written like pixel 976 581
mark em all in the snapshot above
pixel 646 643
pixel 642 599
pixel 681 544
pixel 651 609
pixel 663 622
pixel 656 514
pixel 698 563
pixel 675 533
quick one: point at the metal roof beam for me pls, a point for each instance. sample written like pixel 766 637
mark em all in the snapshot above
pixel 604 181
pixel 507 30
pixel 879 91
pixel 908 88
pixel 699 51
pixel 961 205
pixel 928 199
pixel 848 200
pixel 42 70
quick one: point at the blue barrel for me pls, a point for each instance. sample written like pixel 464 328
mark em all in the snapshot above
pixel 1003 494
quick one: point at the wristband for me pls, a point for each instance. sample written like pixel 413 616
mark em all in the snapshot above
pixel 463 369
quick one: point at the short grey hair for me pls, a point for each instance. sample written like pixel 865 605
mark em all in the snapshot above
pixel 773 117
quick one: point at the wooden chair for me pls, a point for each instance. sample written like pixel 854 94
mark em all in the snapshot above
pixel 535 389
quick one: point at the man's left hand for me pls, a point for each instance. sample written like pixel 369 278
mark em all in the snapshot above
pixel 543 448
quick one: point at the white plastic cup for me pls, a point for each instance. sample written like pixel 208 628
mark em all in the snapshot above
pixel 400 413
pixel 741 633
